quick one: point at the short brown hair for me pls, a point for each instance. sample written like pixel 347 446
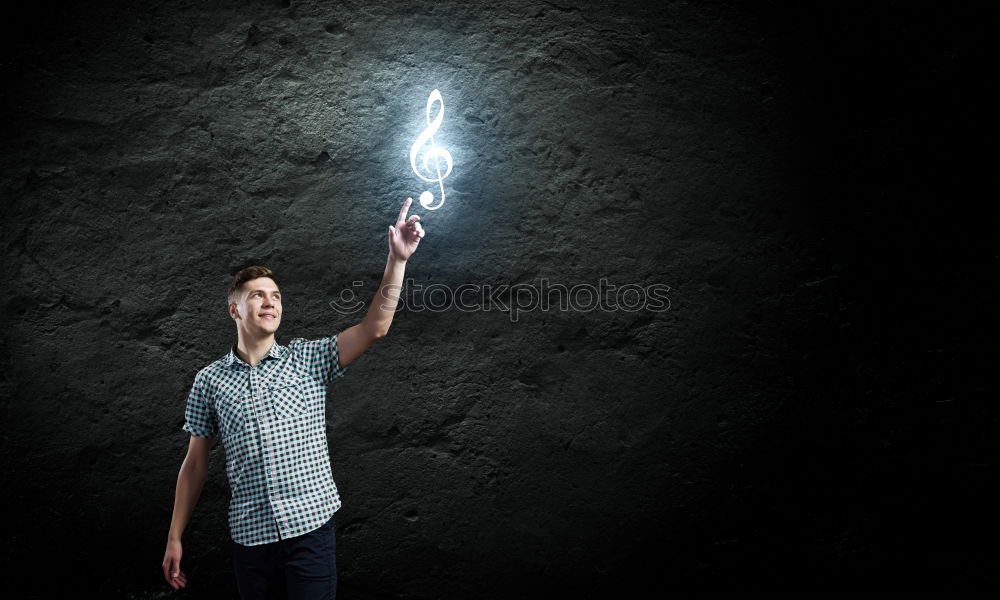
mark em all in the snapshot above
pixel 244 276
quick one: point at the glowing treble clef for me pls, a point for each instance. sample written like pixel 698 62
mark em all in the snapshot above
pixel 434 152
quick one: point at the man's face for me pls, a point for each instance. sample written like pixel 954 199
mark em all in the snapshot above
pixel 260 305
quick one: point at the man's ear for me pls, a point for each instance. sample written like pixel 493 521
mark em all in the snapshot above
pixel 234 310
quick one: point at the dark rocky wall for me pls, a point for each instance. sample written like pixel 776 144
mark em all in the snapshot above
pixel 809 413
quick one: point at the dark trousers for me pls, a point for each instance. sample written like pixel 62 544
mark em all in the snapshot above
pixel 303 567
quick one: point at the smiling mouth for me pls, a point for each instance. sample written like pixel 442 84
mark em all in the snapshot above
pixel 268 316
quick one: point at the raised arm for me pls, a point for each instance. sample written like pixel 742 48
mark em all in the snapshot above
pixel 404 237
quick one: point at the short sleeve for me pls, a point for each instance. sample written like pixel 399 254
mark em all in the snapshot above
pixel 322 358
pixel 199 414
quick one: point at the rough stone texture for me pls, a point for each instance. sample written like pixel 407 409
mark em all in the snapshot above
pixel 810 412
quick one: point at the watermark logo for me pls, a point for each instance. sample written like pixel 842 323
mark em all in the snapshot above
pixel 514 298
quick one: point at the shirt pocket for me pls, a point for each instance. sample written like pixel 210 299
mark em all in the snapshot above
pixel 232 413
pixel 288 396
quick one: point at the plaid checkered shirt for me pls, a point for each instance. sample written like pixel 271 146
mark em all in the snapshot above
pixel 272 420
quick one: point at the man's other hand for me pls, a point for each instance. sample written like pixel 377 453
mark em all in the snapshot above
pixel 172 565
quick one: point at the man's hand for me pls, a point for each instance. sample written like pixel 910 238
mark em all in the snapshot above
pixel 172 565
pixel 405 235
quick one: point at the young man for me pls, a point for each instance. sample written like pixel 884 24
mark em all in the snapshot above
pixel 268 404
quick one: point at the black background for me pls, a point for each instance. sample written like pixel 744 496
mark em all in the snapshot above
pixel 810 180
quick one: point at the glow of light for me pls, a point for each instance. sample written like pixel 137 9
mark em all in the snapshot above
pixel 433 152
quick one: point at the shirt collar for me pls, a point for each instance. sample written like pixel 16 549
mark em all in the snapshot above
pixel 276 351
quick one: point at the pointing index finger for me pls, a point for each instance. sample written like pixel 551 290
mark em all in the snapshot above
pixel 402 212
